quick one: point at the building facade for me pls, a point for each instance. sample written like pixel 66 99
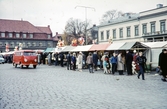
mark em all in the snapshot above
pixel 14 32
pixel 146 26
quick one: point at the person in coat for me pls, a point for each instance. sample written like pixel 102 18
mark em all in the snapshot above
pixel 80 59
pixel 135 61
pixel 129 59
pixel 73 61
pixel 163 64
pixel 49 59
pixel 114 61
pixel 89 61
pixel 141 62
pixel 61 59
pixel 69 56
pixel 56 55
pixel 95 60
pixel 120 64
pixel 108 63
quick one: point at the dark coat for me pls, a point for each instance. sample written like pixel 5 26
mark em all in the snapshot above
pixel 95 58
pixel 129 58
pixel 163 62
pixel 69 57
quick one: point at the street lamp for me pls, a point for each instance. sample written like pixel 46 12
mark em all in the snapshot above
pixel 85 17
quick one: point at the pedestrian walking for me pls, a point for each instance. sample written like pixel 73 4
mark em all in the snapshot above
pixel 114 61
pixel 141 61
pixel 89 61
pixel 163 64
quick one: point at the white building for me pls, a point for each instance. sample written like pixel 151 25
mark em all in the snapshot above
pixel 146 26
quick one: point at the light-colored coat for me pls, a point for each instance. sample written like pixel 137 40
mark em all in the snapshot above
pixel 120 64
pixel 89 60
pixel 80 59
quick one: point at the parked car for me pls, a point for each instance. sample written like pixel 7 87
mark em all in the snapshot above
pixel 2 60
pixel 25 58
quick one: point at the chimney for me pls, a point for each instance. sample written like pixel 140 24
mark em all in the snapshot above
pixel 56 33
pixel 48 26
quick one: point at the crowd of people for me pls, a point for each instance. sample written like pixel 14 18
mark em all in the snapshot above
pixel 110 63
pixel 128 62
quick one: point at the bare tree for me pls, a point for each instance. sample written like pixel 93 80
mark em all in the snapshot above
pixel 75 28
pixel 111 14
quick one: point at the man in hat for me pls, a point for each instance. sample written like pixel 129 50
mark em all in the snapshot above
pixel 163 64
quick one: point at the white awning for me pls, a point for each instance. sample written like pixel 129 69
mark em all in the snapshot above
pixel 115 45
pixel 58 49
pixel 82 48
pixel 156 44
pixel 68 48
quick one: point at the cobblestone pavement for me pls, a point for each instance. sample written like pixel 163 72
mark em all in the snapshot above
pixel 54 87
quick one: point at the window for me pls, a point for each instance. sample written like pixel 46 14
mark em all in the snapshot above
pixel 108 34
pixel 10 35
pixel 24 35
pixel 136 30
pixel 114 34
pixel 17 35
pixel 128 31
pixel 49 45
pixel 34 44
pixel 23 44
pixel 152 27
pixel 102 36
pixel 31 35
pixel 121 32
pixel 40 44
pixel 29 54
pixel 2 34
pixel 17 43
pixel 12 44
pixel 162 26
pixel 29 44
pixel 48 36
pixel 144 28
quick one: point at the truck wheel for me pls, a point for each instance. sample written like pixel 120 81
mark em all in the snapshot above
pixel 27 66
pixel 15 65
pixel 21 66
pixel 34 66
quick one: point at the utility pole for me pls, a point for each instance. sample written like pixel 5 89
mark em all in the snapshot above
pixel 85 19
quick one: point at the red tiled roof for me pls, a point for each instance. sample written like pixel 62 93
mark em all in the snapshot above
pixel 45 29
pixel 19 26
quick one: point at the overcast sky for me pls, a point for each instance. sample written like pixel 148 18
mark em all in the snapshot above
pixel 56 12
